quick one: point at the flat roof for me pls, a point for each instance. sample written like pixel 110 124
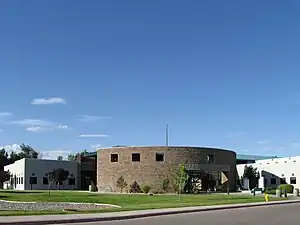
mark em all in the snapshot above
pixel 253 157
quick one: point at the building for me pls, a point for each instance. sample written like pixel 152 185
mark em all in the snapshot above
pixel 30 174
pixel 275 171
pixel 212 168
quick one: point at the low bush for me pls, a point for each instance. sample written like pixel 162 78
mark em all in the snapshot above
pixel 135 188
pixel 146 189
pixel 288 187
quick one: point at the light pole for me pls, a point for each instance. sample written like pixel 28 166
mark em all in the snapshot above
pixel 167 135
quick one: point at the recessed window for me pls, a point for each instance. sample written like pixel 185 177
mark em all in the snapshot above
pixel 273 180
pixel 45 181
pixel 114 157
pixel 136 157
pixel 160 157
pixel 210 158
pixel 32 180
pixel 71 181
pixel 21 180
pixel 293 180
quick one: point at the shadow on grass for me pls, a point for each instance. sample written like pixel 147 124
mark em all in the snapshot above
pixel 21 192
pixel 3 196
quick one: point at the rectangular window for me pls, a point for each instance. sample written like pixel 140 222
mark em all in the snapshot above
pixel 71 181
pixel 32 180
pixel 136 157
pixel 282 180
pixel 293 180
pixel 114 157
pixel 21 180
pixel 45 181
pixel 159 157
pixel 273 180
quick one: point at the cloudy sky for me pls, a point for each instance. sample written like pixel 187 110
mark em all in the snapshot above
pixel 77 74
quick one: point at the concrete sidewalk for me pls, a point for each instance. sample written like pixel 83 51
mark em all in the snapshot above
pixel 82 218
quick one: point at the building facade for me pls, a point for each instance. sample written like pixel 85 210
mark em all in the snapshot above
pixel 30 174
pixel 276 171
pixel 214 168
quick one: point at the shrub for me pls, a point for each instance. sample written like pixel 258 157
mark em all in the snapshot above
pixel 93 187
pixel 288 187
pixel 146 189
pixel 166 185
pixel 135 188
pixel 121 183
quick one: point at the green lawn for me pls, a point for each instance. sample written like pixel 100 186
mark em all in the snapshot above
pixel 127 202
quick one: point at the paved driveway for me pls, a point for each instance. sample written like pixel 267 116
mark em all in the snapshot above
pixel 269 215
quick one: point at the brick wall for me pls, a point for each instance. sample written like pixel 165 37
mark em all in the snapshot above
pixel 149 171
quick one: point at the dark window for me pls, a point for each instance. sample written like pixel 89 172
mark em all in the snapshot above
pixel 210 158
pixel 32 180
pixel 160 157
pixel 71 181
pixel 265 182
pixel 273 180
pixel 293 180
pixel 45 181
pixel 21 180
pixel 114 157
pixel 136 157
pixel 282 180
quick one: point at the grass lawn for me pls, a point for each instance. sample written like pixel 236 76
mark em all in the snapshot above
pixel 127 202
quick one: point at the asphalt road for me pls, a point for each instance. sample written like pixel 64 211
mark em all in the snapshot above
pixel 268 215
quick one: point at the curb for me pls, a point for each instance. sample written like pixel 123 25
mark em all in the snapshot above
pixel 145 215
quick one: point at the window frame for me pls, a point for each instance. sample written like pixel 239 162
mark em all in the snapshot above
pixel 134 155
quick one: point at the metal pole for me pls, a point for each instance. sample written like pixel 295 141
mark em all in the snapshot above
pixel 167 135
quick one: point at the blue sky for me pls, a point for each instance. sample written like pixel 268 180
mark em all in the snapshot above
pixel 79 74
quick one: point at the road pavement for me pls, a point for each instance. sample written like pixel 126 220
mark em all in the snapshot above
pixel 265 215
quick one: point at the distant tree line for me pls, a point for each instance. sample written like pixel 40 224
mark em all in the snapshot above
pixel 72 157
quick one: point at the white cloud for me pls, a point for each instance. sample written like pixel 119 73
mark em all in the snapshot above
pixel 93 135
pixel 10 148
pixel 32 122
pixel 53 154
pixel 38 125
pixel 48 101
pixel 95 146
pixel 36 129
pixel 62 127
pixel 263 142
pixel 5 114
pixel 89 118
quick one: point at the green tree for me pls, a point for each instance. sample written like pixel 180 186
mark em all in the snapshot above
pixel 71 157
pixel 121 183
pixel 4 176
pixel 58 176
pixel 181 178
pixel 252 175
pixel 166 185
pixel 60 158
pixel 27 152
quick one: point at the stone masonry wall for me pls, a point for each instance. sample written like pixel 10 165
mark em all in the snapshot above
pixel 149 171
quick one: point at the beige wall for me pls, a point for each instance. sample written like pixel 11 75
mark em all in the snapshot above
pixel 149 171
